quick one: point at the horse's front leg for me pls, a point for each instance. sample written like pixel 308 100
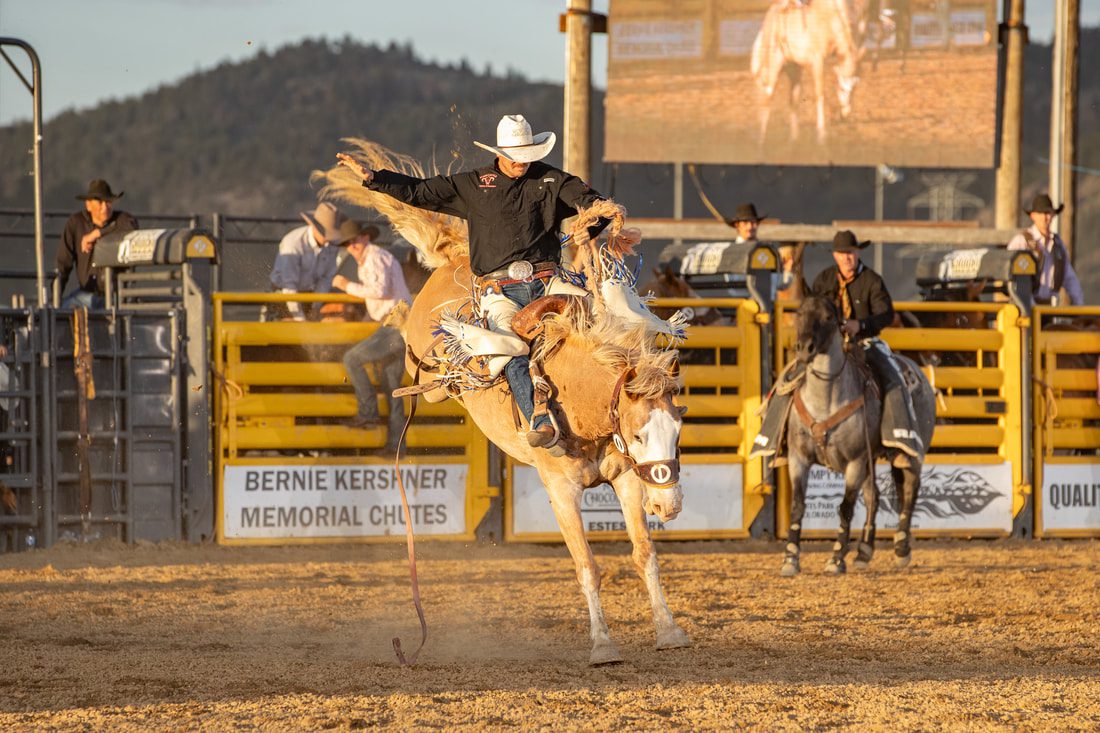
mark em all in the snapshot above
pixel 866 549
pixel 630 491
pixel 853 480
pixel 818 71
pixel 796 469
pixel 907 482
pixel 565 498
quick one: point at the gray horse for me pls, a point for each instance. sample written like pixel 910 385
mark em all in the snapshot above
pixel 835 423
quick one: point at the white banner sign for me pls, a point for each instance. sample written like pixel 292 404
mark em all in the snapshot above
pixel 660 39
pixel 951 496
pixel 1071 496
pixel 712 501
pixel 342 501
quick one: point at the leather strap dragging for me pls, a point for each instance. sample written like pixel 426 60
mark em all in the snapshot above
pixel 820 429
pixel 408 527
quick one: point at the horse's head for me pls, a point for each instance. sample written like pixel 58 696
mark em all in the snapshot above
pixel 648 434
pixel 816 325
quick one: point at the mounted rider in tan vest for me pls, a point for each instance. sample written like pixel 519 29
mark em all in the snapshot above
pixel 865 308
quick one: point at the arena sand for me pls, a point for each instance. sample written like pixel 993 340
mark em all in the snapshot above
pixel 974 636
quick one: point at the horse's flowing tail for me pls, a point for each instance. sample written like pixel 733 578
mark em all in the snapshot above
pixel 439 238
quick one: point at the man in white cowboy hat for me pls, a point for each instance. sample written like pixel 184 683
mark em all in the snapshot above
pixel 514 208
pixel 1055 269
pixel 306 263
pixel 82 231
pixel 865 308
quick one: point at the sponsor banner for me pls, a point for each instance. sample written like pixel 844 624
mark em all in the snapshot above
pixel 736 36
pixel 280 502
pixel 928 30
pixel 968 28
pixel 661 39
pixel 962 264
pixel 1071 496
pixel 712 501
pixel 951 497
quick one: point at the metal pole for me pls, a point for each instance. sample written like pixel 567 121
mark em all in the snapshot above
pixel 1057 106
pixel 880 184
pixel 35 88
pixel 578 89
pixel 1013 38
pixel 677 193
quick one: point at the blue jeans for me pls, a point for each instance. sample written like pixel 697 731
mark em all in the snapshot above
pixel 83 299
pixel 518 370
pixel 385 348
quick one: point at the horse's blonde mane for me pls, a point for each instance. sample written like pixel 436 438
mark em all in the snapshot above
pixel 439 238
pixel 610 343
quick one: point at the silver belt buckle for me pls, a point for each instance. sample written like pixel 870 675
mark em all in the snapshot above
pixel 521 270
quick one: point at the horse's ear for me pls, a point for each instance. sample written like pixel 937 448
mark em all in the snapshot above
pixel 683 409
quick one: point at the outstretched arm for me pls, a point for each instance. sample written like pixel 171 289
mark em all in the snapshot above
pixel 439 193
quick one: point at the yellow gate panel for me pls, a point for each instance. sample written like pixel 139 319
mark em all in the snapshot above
pixel 1066 421
pixel 723 493
pixel 290 471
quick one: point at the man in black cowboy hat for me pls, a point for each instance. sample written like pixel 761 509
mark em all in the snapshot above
pixel 746 221
pixel 865 308
pixel 1055 269
pixel 82 231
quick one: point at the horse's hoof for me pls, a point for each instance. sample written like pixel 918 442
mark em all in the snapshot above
pixel 674 638
pixel 902 561
pixel 860 564
pixel 790 569
pixel 606 653
pixel 832 567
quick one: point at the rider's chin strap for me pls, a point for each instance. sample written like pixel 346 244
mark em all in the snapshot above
pixel 659 474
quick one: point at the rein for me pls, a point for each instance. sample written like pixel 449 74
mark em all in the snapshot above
pixel 652 473
pixel 411 660
pixel 820 428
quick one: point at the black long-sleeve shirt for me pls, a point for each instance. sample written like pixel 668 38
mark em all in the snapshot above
pixel 871 302
pixel 69 254
pixel 509 219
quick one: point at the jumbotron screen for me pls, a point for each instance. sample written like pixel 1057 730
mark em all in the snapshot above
pixel 803 82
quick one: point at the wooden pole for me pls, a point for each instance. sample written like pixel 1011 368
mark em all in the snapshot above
pixel 1057 106
pixel 577 150
pixel 1013 36
pixel 1068 218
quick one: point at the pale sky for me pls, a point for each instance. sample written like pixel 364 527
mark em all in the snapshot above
pixel 93 50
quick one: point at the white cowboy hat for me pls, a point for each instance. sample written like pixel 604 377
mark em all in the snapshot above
pixel 516 143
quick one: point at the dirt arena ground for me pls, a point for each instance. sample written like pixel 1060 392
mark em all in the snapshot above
pixel 973 636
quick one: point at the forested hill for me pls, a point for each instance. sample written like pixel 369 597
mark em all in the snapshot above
pixel 242 138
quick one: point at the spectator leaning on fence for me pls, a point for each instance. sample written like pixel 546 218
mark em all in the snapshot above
pixel 306 263
pixel 82 231
pixel 382 287
pixel 1055 269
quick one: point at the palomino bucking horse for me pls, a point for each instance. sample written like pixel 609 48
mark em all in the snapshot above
pixel 806 35
pixel 614 390
pixel 835 423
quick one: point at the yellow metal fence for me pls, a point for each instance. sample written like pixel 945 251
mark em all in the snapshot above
pixel 284 453
pixel 1066 426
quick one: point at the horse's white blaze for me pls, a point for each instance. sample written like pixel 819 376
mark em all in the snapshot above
pixel 660 435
